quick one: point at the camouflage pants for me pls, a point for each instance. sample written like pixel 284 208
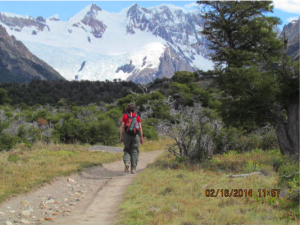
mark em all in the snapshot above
pixel 131 149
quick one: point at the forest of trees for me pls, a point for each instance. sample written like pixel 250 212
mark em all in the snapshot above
pixel 73 92
pixel 164 105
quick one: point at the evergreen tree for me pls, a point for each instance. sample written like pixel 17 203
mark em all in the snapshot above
pixel 247 53
pixel 3 97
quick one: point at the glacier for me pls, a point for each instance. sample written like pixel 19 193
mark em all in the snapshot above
pixel 64 45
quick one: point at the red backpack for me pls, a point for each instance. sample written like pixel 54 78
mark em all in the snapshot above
pixel 132 125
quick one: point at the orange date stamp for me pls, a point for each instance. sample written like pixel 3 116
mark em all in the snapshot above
pixel 238 193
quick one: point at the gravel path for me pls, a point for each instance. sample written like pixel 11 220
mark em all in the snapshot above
pixel 85 198
pixel 106 149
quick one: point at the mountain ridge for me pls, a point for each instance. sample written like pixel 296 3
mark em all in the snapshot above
pixel 291 31
pixel 108 41
pixel 18 64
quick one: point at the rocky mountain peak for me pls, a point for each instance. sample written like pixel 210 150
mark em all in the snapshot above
pixel 134 11
pixel 136 19
pixel 93 10
pixel 291 32
pixel 3 32
pixel 12 45
pixel 40 19
pixel 17 23
pixel 4 36
pixel 165 13
pixel 134 7
pixel 54 18
pixel 98 27
pixel 18 64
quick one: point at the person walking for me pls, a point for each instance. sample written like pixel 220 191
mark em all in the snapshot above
pixel 131 140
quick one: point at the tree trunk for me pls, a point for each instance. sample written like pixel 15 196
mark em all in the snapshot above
pixel 288 132
pixel 293 127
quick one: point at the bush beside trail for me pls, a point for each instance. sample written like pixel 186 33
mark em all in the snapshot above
pixel 66 124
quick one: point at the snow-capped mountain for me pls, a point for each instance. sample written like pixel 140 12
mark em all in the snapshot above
pixel 291 32
pixel 138 43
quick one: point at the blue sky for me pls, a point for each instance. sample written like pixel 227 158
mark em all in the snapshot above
pixel 284 9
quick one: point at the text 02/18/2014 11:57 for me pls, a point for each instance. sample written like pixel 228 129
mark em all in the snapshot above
pixel 237 193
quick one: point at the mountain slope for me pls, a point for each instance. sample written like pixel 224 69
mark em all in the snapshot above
pixel 292 34
pixel 157 41
pixel 18 64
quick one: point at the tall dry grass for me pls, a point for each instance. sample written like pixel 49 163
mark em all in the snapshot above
pixel 23 169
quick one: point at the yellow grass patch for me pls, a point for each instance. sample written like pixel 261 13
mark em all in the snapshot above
pixel 168 192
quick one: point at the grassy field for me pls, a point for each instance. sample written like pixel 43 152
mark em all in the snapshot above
pixel 173 192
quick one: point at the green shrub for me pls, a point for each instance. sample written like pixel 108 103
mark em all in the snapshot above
pixel 183 77
pixel 29 133
pixel 150 121
pixel 115 114
pixel 231 138
pixel 7 142
pixel 289 176
pixel 269 140
pixel 69 131
pixel 288 171
pixel 161 111
pixel 253 141
pixel 104 131
pixel 4 125
pixel 149 132
pixel 39 114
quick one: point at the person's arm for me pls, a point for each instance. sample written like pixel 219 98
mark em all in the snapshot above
pixel 121 131
pixel 141 134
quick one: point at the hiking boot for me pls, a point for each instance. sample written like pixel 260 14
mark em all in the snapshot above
pixel 133 170
pixel 126 167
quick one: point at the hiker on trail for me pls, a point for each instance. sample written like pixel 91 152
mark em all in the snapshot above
pixel 133 136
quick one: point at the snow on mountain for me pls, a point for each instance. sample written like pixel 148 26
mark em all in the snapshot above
pixel 7 14
pixel 18 64
pixel 54 17
pixel 291 32
pixel 147 40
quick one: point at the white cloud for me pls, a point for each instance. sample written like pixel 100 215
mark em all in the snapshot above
pixel 191 5
pixel 292 18
pixel 291 6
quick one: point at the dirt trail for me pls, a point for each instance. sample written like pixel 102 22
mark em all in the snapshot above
pixel 85 198
pixel 102 208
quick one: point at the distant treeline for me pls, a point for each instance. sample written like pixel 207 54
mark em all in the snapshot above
pixel 72 92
